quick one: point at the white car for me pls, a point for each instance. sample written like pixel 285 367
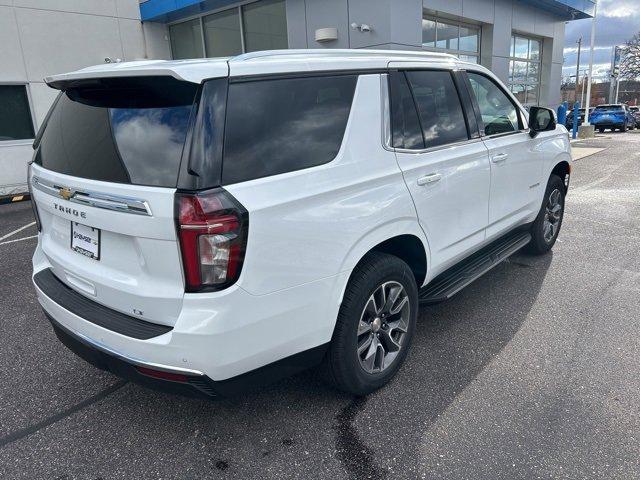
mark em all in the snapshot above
pixel 211 224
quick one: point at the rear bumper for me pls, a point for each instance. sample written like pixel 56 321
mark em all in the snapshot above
pixel 228 339
pixel 95 313
pixel 607 124
pixel 190 385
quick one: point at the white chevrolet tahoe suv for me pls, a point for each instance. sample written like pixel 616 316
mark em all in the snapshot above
pixel 211 224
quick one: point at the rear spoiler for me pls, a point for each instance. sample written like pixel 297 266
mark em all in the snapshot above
pixel 67 81
pixel 194 71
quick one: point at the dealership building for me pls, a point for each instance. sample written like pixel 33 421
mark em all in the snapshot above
pixel 521 41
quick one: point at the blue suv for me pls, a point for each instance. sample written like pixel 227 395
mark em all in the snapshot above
pixel 615 116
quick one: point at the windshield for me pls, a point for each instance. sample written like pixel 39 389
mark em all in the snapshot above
pixel 119 130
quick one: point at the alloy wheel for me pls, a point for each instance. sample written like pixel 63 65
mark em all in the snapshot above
pixel 552 216
pixel 383 326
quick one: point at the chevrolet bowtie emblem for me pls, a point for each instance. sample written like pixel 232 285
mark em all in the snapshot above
pixel 65 193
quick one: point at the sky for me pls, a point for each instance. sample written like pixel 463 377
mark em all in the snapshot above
pixel 617 21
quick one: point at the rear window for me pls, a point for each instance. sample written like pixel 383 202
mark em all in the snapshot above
pixel 281 125
pixel 439 107
pixel 405 125
pixel 124 130
pixel 609 108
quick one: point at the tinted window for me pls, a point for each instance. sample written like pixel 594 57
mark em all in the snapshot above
pixel 277 126
pixel 124 130
pixel 499 113
pixel 609 108
pixel 439 107
pixel 204 149
pixel 15 115
pixel 405 126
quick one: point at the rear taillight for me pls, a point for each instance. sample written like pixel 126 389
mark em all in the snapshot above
pixel 212 228
pixel 33 202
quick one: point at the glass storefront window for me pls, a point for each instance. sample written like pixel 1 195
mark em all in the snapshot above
pixel 533 73
pixel 451 37
pixel 260 25
pixel 534 50
pixel 265 25
pixel 524 69
pixel 428 33
pixel 222 34
pixel 15 115
pixel 469 39
pixel 521 47
pixel 186 39
pixel 518 72
pixel 468 58
pixel 447 36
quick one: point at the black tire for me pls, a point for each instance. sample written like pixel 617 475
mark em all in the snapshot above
pixel 541 242
pixel 342 366
pixel 601 130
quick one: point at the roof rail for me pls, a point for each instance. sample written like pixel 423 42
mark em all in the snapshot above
pixel 330 52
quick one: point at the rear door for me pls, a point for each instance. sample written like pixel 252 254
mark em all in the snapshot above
pixel 104 178
pixel 444 163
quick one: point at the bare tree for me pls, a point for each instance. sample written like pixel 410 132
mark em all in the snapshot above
pixel 630 64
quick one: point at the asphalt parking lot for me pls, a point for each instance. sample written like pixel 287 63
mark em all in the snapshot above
pixel 531 372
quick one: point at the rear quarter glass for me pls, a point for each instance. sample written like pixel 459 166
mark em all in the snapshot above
pixel 281 125
pixel 124 130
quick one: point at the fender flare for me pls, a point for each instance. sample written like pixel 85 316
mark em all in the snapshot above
pixel 563 157
pixel 377 235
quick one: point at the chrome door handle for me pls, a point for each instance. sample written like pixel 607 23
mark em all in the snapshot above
pixel 500 157
pixel 431 178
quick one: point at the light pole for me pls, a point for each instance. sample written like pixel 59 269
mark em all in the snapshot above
pixel 579 42
pixel 612 77
pixel 590 77
pixel 617 58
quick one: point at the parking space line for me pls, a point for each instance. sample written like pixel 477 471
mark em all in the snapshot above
pixel 17 230
pixel 24 432
pixel 18 239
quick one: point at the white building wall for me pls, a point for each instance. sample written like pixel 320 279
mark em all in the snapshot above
pixel 397 24
pixel 44 37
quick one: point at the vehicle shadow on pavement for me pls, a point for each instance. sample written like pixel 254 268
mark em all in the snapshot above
pixel 298 425
pixel 454 342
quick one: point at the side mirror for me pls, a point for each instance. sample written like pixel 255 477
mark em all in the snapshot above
pixel 541 120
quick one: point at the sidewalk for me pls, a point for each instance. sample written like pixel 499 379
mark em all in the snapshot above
pixel 581 152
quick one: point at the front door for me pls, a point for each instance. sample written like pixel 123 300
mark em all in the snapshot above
pixel 516 166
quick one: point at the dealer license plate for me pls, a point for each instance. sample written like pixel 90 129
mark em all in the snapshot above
pixel 85 240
